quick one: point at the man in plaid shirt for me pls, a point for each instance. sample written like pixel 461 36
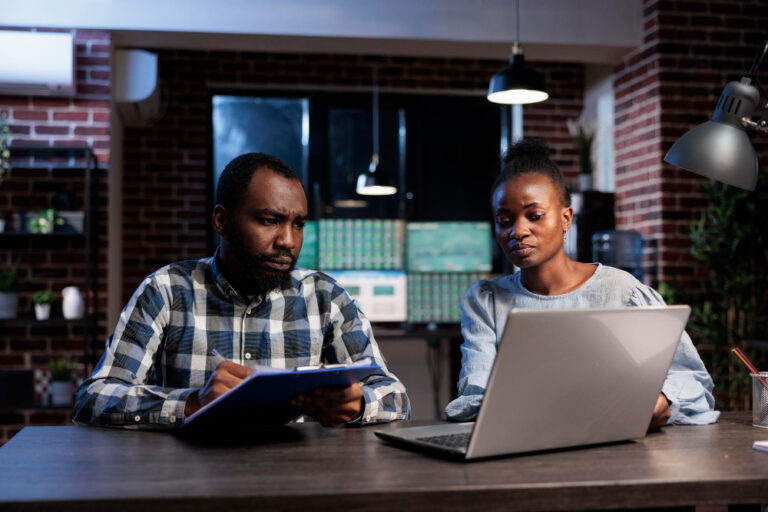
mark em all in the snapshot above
pixel 252 306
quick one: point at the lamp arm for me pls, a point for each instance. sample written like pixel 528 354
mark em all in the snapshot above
pixel 755 68
pixel 760 124
pixel 753 79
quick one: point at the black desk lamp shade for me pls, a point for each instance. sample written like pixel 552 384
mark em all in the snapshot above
pixel 720 148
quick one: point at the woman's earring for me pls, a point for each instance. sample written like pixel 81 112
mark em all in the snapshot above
pixel 565 234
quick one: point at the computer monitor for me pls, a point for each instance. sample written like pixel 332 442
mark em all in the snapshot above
pixel 361 244
pixel 436 297
pixel 308 254
pixel 448 247
pixel 381 294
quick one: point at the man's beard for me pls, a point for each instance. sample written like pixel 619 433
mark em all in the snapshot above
pixel 258 281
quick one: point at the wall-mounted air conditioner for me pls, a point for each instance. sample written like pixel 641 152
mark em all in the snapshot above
pixel 37 63
pixel 135 88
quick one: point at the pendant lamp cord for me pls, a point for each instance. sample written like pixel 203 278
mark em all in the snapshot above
pixel 517 22
pixel 375 114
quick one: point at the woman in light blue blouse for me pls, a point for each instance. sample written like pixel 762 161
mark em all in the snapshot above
pixel 532 214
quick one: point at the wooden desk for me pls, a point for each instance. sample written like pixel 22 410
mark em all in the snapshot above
pixel 82 468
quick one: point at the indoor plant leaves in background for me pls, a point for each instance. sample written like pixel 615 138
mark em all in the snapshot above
pixel 45 222
pixel 731 308
pixel 583 137
pixel 730 240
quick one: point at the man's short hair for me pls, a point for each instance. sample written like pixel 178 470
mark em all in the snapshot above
pixel 236 176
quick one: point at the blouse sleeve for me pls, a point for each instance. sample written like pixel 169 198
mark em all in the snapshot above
pixel 477 352
pixel 688 385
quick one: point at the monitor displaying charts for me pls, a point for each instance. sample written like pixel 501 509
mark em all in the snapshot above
pixel 308 254
pixel 362 244
pixel 436 297
pixel 380 294
pixel 448 247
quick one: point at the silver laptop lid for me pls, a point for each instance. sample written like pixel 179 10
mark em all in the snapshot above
pixel 575 377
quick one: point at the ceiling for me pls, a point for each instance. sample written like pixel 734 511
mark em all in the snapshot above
pixel 590 31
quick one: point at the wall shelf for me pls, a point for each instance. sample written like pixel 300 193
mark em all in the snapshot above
pixel 30 319
pixel 83 161
pixel 17 234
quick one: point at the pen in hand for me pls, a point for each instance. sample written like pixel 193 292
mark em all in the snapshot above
pixel 219 357
pixel 221 380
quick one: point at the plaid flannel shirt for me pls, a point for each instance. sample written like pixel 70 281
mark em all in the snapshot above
pixel 159 352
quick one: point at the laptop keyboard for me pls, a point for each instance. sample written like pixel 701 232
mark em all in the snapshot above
pixel 458 441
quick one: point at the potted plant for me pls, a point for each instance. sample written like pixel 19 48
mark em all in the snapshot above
pixel 9 299
pixel 43 300
pixel 583 137
pixel 45 222
pixel 62 390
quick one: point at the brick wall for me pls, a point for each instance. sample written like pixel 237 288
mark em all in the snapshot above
pixel 691 49
pixel 52 262
pixel 165 166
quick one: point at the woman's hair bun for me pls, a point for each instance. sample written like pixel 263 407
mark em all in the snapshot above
pixel 529 149
pixel 529 156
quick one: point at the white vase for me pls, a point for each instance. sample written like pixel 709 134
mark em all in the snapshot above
pixel 72 303
pixel 42 311
pixel 62 392
pixel 9 305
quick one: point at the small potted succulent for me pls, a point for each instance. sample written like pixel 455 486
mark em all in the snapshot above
pixel 62 389
pixel 45 222
pixel 42 300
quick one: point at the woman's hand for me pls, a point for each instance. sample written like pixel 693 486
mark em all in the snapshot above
pixel 661 413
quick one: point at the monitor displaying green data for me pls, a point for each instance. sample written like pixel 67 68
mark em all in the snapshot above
pixel 361 244
pixel 436 297
pixel 308 254
pixel 448 247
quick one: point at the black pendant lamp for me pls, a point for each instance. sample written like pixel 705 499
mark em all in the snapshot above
pixel 516 83
pixel 374 182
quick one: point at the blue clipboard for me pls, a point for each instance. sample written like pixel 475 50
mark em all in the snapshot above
pixel 262 398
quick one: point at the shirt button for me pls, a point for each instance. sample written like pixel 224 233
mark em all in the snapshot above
pixel 247 355
pixel 137 418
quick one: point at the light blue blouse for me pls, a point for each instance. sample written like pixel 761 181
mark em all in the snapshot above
pixel 484 311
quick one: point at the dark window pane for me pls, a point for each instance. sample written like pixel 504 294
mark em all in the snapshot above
pixel 278 126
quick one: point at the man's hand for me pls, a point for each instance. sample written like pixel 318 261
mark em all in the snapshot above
pixel 331 406
pixel 661 413
pixel 226 376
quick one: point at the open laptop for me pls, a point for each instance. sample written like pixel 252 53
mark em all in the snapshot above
pixel 563 378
